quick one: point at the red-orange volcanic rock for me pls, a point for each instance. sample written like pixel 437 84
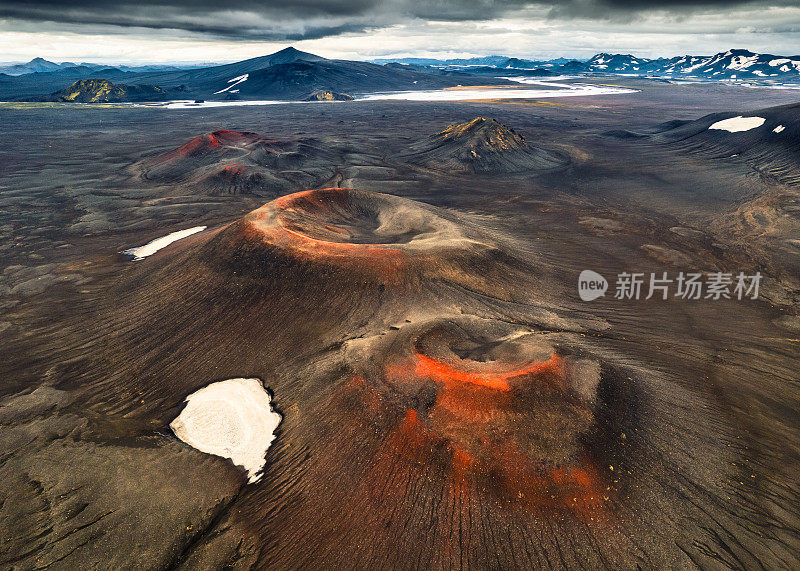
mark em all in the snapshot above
pixel 378 237
pixel 505 410
pixel 233 169
pixel 497 380
pixel 241 162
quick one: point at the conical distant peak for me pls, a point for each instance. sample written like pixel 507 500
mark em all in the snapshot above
pixel 485 131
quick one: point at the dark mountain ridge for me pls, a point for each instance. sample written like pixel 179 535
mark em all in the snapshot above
pixel 285 75
pixel 291 74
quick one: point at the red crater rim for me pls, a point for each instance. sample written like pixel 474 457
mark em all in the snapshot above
pixel 357 229
pixel 214 141
pixel 499 380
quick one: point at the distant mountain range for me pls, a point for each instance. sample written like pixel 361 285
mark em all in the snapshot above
pixel 493 61
pixel 41 65
pixel 733 64
pixel 291 74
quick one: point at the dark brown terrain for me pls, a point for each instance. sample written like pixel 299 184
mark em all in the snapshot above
pixel 403 278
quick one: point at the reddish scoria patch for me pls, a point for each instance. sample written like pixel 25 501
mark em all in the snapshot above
pixel 215 141
pixel 466 404
pixel 233 169
pixel 577 488
pixel 196 146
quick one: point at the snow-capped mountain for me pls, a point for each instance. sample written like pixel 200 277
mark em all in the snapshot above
pixel 733 64
pixel 617 63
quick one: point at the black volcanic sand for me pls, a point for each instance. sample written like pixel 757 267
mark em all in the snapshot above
pixel 447 399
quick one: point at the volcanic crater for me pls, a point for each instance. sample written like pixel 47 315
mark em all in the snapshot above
pixel 379 237
pixel 483 396
pixel 227 162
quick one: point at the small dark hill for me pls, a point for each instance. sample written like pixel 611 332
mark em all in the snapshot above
pixel 482 146
pixel 103 91
pixel 328 95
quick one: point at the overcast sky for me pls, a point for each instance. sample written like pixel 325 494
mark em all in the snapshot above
pixel 227 30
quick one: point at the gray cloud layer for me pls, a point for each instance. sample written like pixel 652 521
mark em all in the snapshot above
pixel 310 19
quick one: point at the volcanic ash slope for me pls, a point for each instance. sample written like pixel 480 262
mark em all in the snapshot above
pixel 766 139
pixel 429 388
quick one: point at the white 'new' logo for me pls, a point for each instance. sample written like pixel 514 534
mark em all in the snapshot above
pixel 591 285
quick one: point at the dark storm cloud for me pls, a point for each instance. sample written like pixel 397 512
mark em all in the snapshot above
pixel 628 9
pixel 309 19
pixel 255 19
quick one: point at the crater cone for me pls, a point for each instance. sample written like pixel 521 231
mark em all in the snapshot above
pixel 483 146
pixel 378 237
pixel 240 162
pixel 485 397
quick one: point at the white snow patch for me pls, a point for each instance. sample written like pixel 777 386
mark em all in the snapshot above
pixel 234 82
pixel 190 104
pixel 779 129
pixel 154 246
pixel 738 124
pixel 691 68
pixel 742 62
pixel 779 61
pixel 232 419
pixel 555 90
pixel 548 89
